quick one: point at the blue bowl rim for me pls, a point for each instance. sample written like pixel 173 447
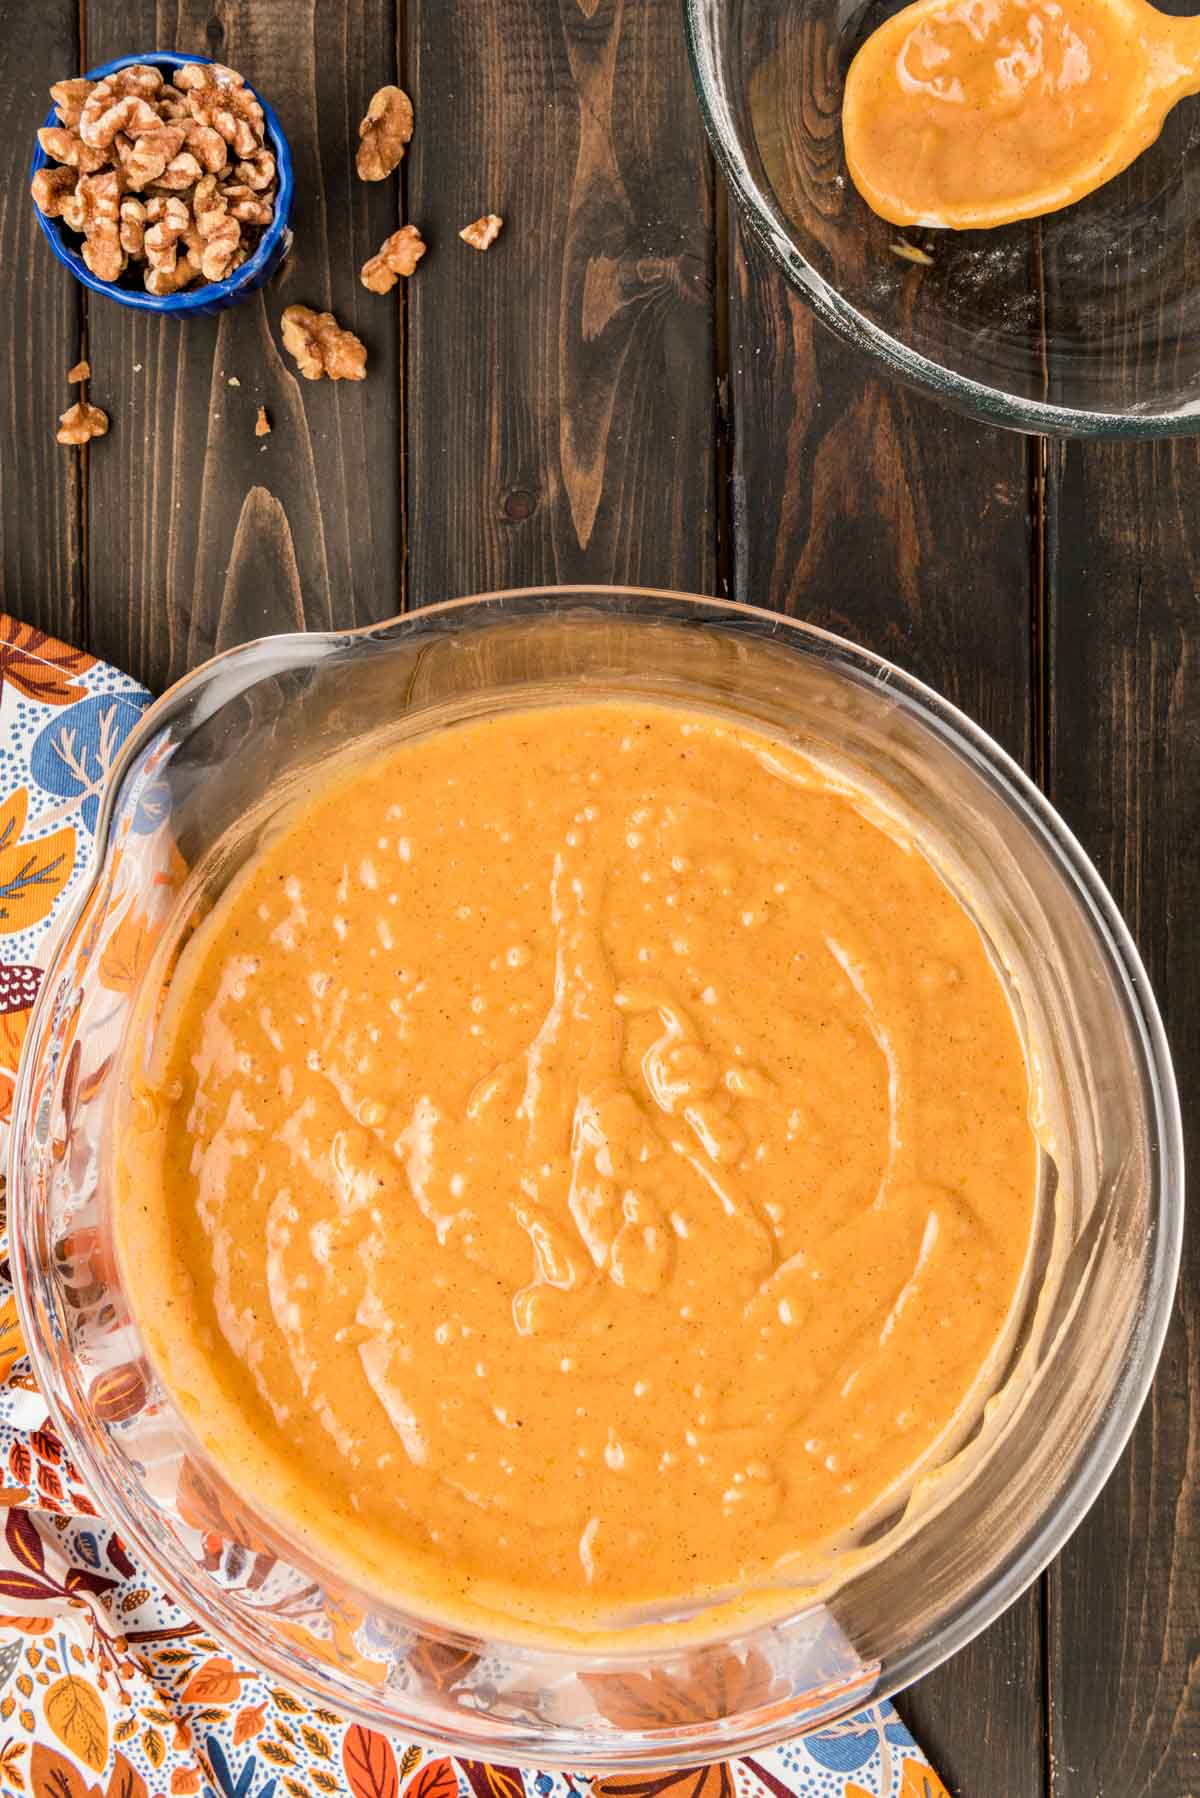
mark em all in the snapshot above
pixel 210 293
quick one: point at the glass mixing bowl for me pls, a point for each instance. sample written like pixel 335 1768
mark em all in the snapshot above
pixel 197 783
pixel 1083 323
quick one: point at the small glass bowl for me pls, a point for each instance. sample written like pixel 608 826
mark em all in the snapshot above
pixel 204 298
pixel 1080 324
pixel 199 780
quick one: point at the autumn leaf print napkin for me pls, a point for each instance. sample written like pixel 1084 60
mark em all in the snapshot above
pixel 107 1688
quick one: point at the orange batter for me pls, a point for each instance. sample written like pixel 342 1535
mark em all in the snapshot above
pixel 967 113
pixel 583 1165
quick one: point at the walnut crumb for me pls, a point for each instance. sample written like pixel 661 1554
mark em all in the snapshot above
pixel 384 133
pixel 482 233
pixel 262 424
pixel 397 255
pixel 82 371
pixel 233 381
pixel 321 346
pixel 81 422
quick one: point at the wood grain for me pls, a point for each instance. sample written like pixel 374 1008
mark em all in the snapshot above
pixel 202 534
pixel 878 515
pixel 561 423
pixel 41 496
pixel 1123 577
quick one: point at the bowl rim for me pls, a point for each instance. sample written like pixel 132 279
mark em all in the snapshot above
pixel 1048 1532
pixel 207 294
pixel 992 405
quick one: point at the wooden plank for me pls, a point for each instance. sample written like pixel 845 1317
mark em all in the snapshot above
pixel 41 321
pixel 875 513
pixel 1123 578
pixel 204 535
pixel 562 415
pixel 1123 733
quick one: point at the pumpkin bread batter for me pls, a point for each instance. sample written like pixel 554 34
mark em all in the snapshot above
pixel 582 1167
pixel 970 113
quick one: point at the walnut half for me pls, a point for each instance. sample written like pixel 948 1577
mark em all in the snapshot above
pixel 397 255
pixel 322 347
pixel 384 133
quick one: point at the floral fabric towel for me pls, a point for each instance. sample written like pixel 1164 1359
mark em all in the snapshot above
pixel 107 1689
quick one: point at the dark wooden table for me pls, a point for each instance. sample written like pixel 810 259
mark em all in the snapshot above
pixel 622 391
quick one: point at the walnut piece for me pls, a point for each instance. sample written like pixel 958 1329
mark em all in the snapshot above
pixel 180 174
pixel 94 210
pixel 206 145
pixel 51 189
pixel 168 209
pixel 68 97
pixel 262 424
pixel 247 206
pixel 120 102
pixel 397 255
pixel 196 75
pixel 482 234
pixel 164 281
pixel 81 422
pixel 257 171
pixel 150 154
pixel 322 347
pixel 68 147
pixel 103 253
pixel 384 133
pixel 220 234
pixel 131 115
pixel 208 205
pixel 218 97
pixel 133 227
pixel 76 209
pixel 168 220
pixel 172 107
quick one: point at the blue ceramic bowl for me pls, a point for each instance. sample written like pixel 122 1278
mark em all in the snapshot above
pixel 211 296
